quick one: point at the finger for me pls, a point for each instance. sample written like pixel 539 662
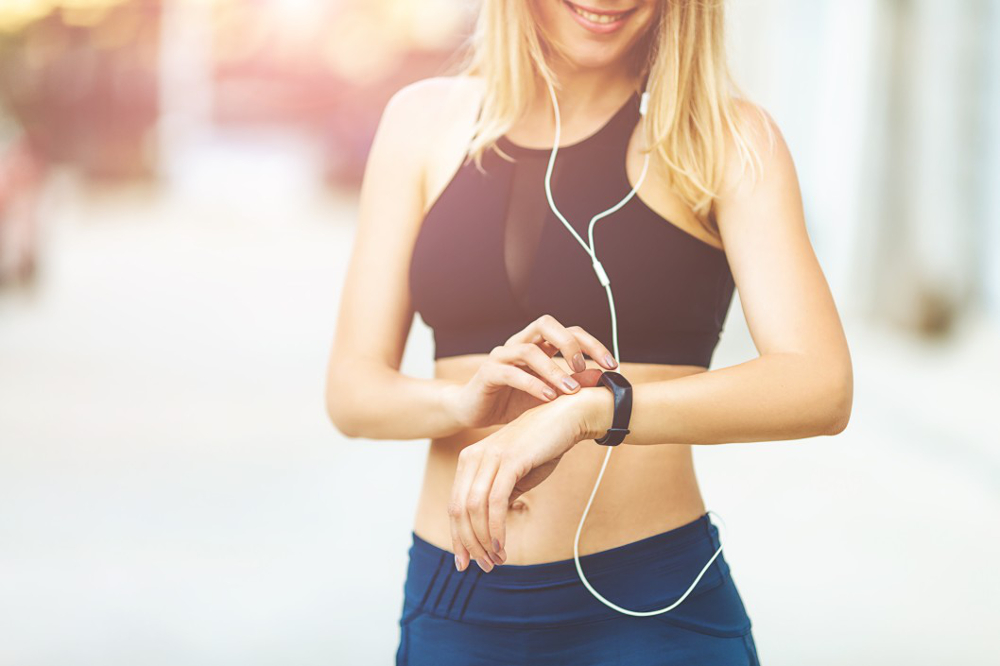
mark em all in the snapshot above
pixel 545 366
pixel 553 331
pixel 462 557
pixel 468 464
pixel 500 370
pixel 487 375
pixel 472 543
pixel 499 500
pixel 548 329
pixel 594 348
pixel 478 502
pixel 456 509
pixel 538 362
pixel 525 381
pixel 547 347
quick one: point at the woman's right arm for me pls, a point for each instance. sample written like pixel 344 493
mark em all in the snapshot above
pixel 366 395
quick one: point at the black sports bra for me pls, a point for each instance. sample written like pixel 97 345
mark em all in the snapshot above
pixel 491 257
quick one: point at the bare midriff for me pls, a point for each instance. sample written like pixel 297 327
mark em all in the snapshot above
pixel 646 489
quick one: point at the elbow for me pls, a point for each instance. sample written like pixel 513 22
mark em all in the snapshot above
pixel 839 400
pixel 339 412
pixel 344 401
pixel 838 421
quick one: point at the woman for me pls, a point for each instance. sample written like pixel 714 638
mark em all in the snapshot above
pixel 455 224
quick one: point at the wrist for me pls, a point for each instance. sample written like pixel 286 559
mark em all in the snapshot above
pixel 593 411
pixel 450 395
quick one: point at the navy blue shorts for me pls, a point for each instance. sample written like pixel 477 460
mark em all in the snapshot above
pixel 542 613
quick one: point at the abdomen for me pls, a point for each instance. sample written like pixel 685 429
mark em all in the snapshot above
pixel 646 490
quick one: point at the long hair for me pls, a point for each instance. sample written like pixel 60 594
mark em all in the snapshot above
pixel 693 102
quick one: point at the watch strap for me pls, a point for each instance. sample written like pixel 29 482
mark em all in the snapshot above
pixel 621 389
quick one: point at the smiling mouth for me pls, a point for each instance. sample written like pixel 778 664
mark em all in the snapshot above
pixel 600 18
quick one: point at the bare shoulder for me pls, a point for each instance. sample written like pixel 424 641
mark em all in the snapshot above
pixel 427 98
pixel 418 124
pixel 424 108
pixel 428 124
pixel 754 148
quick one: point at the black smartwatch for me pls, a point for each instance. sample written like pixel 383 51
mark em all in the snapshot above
pixel 622 390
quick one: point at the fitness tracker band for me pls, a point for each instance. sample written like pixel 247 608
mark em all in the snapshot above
pixel 622 391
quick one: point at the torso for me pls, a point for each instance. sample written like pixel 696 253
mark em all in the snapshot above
pixel 646 490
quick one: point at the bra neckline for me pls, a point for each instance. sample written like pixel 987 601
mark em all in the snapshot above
pixel 512 148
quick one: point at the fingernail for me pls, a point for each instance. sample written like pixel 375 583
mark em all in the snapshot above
pixel 549 393
pixel 482 566
pixel 501 556
pixel 458 563
pixel 610 360
pixel 571 383
pixel 495 559
pixel 579 363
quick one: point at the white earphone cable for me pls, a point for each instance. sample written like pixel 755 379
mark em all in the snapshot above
pixel 605 281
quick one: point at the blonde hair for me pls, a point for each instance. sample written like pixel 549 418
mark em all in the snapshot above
pixel 693 103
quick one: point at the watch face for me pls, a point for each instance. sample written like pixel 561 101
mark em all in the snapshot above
pixel 615 378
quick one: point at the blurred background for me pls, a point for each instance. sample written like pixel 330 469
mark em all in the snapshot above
pixel 178 185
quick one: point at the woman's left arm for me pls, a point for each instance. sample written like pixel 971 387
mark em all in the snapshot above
pixel 801 384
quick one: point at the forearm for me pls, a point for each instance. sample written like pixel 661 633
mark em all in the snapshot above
pixel 772 397
pixel 390 405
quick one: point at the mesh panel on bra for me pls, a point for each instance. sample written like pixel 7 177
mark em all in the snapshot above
pixel 527 214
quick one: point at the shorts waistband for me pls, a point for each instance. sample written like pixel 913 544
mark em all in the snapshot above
pixel 643 575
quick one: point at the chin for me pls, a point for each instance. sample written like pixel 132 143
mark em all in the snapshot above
pixel 596 33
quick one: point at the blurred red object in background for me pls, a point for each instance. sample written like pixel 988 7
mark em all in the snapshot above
pixel 22 172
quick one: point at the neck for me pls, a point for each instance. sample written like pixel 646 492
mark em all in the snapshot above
pixel 588 88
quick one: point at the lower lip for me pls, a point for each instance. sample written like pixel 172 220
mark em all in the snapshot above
pixel 599 28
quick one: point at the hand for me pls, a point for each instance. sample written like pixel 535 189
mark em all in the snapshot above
pixel 521 373
pixel 496 470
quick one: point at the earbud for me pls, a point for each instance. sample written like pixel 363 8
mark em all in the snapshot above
pixel 605 281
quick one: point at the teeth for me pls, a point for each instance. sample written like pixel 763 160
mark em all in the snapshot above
pixel 596 18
